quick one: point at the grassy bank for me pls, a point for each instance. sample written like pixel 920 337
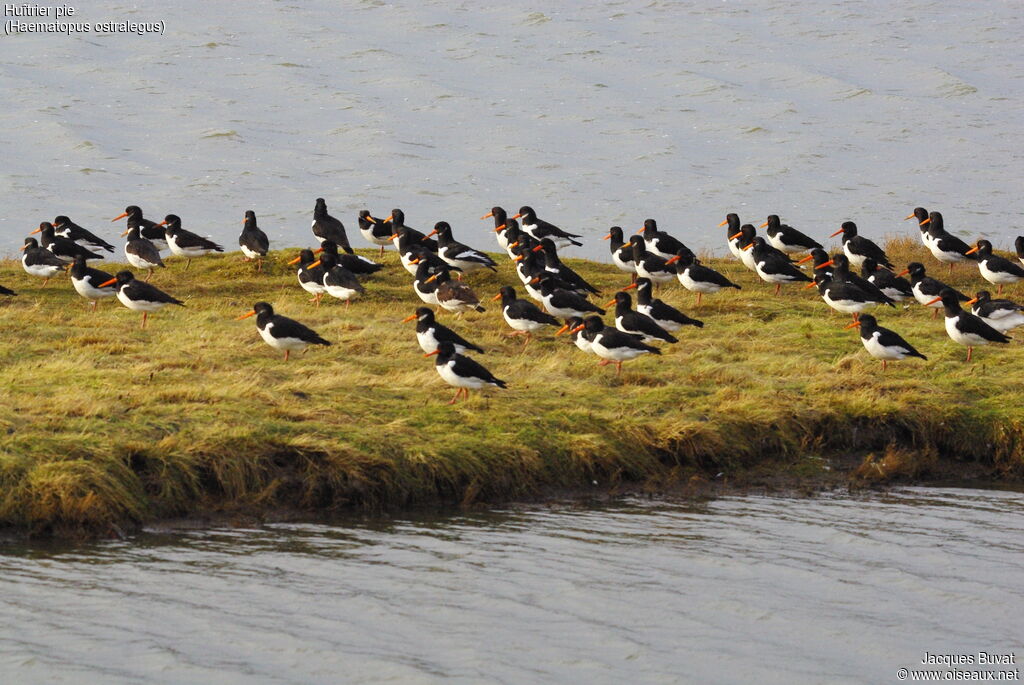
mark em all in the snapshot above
pixel 105 426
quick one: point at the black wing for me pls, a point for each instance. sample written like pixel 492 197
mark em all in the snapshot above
pixel 888 338
pixel 470 368
pixel 290 328
pixel 144 292
pixel 528 311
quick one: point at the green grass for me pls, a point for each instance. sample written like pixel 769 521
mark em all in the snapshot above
pixel 105 426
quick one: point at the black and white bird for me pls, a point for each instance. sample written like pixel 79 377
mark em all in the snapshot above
pixel 857 247
pixel 356 263
pixel 86 282
pixel 926 289
pixel 540 229
pixel 374 231
pixel 893 286
pixel 150 230
pixel 666 316
pixel 842 296
pixel 1019 246
pixel 522 316
pixel 38 261
pixel 773 266
pixel 458 254
pixel 649 265
pixel 920 214
pixel 500 225
pixel 944 246
pixel 745 240
pixel 622 252
pixel 786 238
pixel 282 333
pixel 397 221
pixel 641 325
pixel 819 257
pixel 995 269
pixel 553 265
pixel 563 303
pixel 660 242
pixel 310 275
pixel 185 243
pixel 964 327
pixel 840 264
pixel 611 345
pixel 139 296
pixel 327 227
pixel 63 249
pixel 338 281
pixel 455 296
pixel 696 277
pixel 462 372
pixel 882 343
pixel 423 282
pixel 574 327
pixel 66 228
pixel 141 253
pixel 254 242
pixel 732 237
pixel 430 334
pixel 1002 315
pixel 513 236
pixel 412 250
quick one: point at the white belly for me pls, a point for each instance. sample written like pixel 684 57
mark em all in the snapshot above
pixel 879 351
pixel 281 343
pixel 628 267
pixel 777 243
pixel 747 257
pixel 522 324
pixel 429 298
pixel 846 306
pixel 996 277
pixel 140 305
pixel 657 277
pixel 85 288
pixel 855 259
pixel 189 252
pixel 669 326
pixel 448 374
pixel 311 287
pixel 956 335
pixel 924 299
pixel 1008 321
pixel 696 286
pixel 249 253
pixel 946 257
pixel 615 354
pixel 341 292
pixel 41 270
pixel 138 262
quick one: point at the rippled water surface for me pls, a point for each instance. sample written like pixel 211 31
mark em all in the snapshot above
pixel 743 589
pixel 594 113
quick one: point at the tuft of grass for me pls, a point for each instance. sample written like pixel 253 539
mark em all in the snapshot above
pixel 107 426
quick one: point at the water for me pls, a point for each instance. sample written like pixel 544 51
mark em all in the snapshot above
pixel 597 114
pixel 833 589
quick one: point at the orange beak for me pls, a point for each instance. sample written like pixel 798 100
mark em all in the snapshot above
pixel 318 250
pixel 369 217
pixel 561 330
pixel 36 231
pixel 852 325
pixel 810 285
pixel 296 260
pixel 735 236
pixel 671 260
pixel 926 221
pixel 517 258
pixel 535 280
pixel 578 328
pixel 162 223
pixel 538 248
pixel 629 287
pixel 723 224
pixel 488 215
pixel 499 229
pixel 415 261
pixel 763 225
pixel 806 259
pixel 498 296
pixel 431 234
pixel 836 233
pixel 903 273
pixel 393 237
pixel 112 281
pixel 748 247
pixel 607 237
pixel 125 233
pixel 516 216
pixel 246 316
pixel 610 303
pixel 971 301
pixel 120 216
pixel 313 265
pixel 23 248
pixel 431 354
pixel 972 250
pixel 515 244
pixel 929 304
pixel 824 264
pixel 433 278
pixel 909 216
pixel 409 318
pixel 642 229
pixel 390 218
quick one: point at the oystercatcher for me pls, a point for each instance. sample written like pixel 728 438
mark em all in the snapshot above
pixel 745 239
pixel 338 281
pixel 964 327
pixel 38 261
pixel 553 264
pixel 857 247
pixel 462 372
pixel 149 230
pixel 310 275
pixel 840 264
pixel 667 317
pixel 786 238
pixel 622 252
pixel 424 284
pixel 842 296
pixel 457 254
pixel 564 303
pixel 500 225
pixel 921 215
pixel 430 334
pixel 254 242
pixel 397 221
pixel 86 281
pixel 184 243
pixel 819 257
pixel 513 236
pixel 374 231
pixel 731 238
pixel 280 332
pixel 355 263
pixel 1002 315
pixel 139 296
pixel 1019 244
pixel 141 253
pixel 660 242
pixel 574 326
pixel 540 229
pixel 63 249
pixel 66 228
pixel 944 246
pixel 523 316
pixel 650 265
pixel 882 343
pixel 995 269
pixel 894 287
pixel 641 325
pixel 696 277
pixel 925 288
pixel 773 266
pixel 454 296
pixel 411 251
pixel 613 346
pixel 326 227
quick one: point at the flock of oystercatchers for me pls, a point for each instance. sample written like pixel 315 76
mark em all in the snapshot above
pixel 560 296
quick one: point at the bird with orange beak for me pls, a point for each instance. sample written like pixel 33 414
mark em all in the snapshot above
pixel 280 332
pixel 139 296
pixel 462 372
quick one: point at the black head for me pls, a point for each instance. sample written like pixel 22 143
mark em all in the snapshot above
pixel 1019 244
pixel 949 298
pixel 172 221
pixel 868 322
pixel 916 269
pixel 134 231
pixel 512 232
pixel 841 262
pixel 547 245
pixel 133 211
pixel 45 229
pixel 527 212
pixel 684 258
pixel 639 246
pixel 615 234
pixel 508 294
pixel 935 225
pixel 364 214
pixel 250 215
pixel 759 242
pixel 78 266
pixel 822 277
pixel 644 285
pixel 983 296
pixel 443 228
pixel 321 205
pixel 397 217
pixel 60 220
pixel 306 257
pixel 747 232
pixel 424 269
pixel 593 324
pixel 445 351
pixel 773 220
pixel 329 247
pixel 849 229
pixel 124 277
pixel 263 308
pixel 328 260
pixel 869 265
pixel 650 226
pixel 819 256
pixel 424 315
pixel 920 213
pixel 500 216
pixel 983 247
pixel 732 220
pixel 623 302
pixel 30 244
